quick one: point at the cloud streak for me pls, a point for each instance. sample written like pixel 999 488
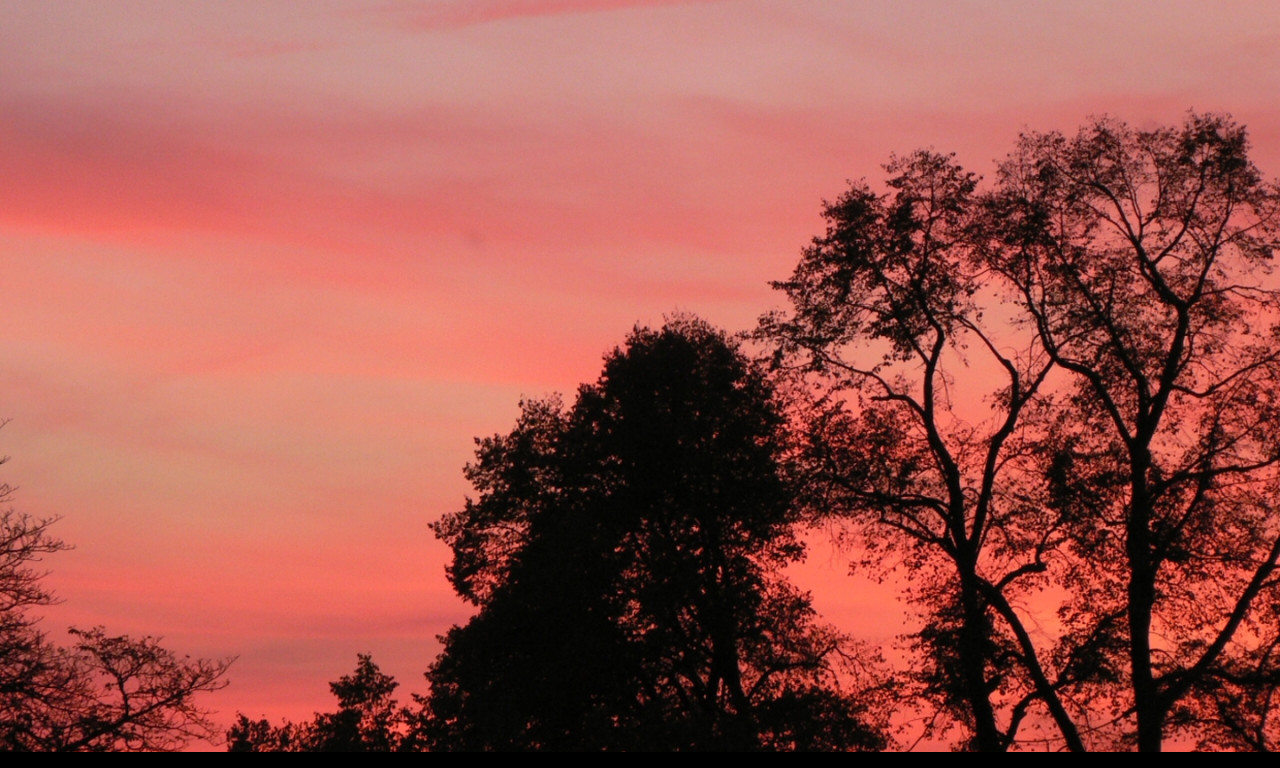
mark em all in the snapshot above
pixel 454 14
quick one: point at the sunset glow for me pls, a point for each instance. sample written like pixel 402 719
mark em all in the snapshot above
pixel 270 267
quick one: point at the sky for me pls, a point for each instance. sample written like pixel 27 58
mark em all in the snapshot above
pixel 268 268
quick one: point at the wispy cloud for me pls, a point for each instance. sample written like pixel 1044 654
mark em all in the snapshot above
pixel 447 14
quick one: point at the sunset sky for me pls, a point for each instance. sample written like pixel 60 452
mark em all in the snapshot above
pixel 268 267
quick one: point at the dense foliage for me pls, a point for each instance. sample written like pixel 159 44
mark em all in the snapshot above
pixel 625 555
pixel 368 720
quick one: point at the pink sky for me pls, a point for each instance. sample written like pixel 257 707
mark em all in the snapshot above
pixel 268 267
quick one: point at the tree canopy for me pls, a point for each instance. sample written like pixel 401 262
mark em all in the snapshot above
pixel 1141 259
pixel 625 556
pixel 1060 392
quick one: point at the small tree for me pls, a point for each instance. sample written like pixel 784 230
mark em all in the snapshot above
pixel 104 693
pixel 368 720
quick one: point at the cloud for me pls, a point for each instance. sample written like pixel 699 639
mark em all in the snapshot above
pixel 452 14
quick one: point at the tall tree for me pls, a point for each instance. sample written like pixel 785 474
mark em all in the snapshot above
pixel 103 693
pixel 625 557
pixel 1142 259
pixel 918 432
pixel 1061 392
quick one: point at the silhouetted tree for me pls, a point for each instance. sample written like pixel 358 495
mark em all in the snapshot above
pixel 368 720
pixel 1141 258
pixel 1064 386
pixel 888 322
pixel 261 736
pixel 103 693
pixel 625 557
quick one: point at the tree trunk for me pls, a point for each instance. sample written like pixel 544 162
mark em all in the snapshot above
pixel 973 666
pixel 1142 596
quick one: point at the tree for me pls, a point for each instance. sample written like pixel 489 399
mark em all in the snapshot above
pixel 1141 258
pixel 247 735
pixel 1062 388
pixel 888 323
pixel 368 720
pixel 104 693
pixel 625 558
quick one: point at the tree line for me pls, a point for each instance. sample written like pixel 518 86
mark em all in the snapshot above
pixel 1048 402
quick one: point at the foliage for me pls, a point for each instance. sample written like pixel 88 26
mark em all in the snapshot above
pixel 368 720
pixel 104 693
pixel 625 557
pixel 1141 258
pixel 1062 388
pixel 888 322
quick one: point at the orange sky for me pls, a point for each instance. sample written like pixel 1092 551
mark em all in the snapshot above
pixel 268 267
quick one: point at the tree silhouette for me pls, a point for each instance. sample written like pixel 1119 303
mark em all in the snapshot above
pixel 104 693
pixel 625 556
pixel 1141 258
pixel 1061 389
pixel 888 322
pixel 368 720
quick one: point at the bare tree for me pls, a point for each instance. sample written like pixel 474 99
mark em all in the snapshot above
pixel 103 693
